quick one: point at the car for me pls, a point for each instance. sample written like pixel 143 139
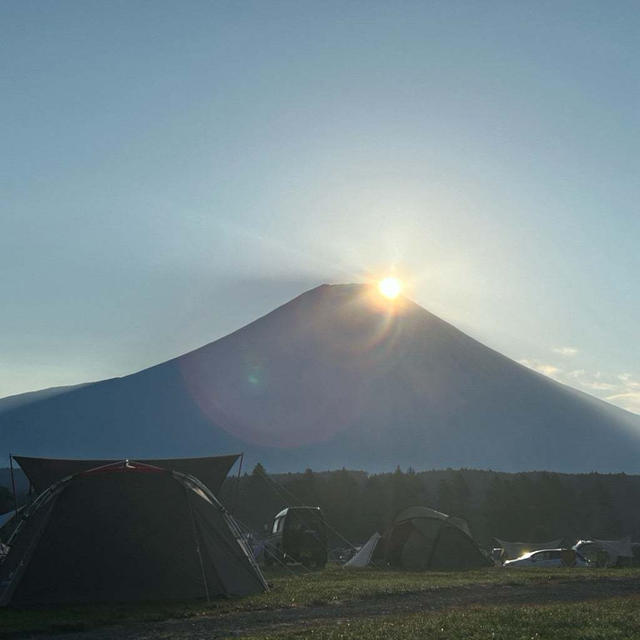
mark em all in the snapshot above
pixel 298 534
pixel 549 558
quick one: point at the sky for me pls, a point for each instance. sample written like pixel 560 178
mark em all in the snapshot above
pixel 173 170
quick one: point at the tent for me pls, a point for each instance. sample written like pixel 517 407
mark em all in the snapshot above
pixel 363 557
pixel 422 538
pixel 616 549
pixel 126 531
pixel 605 552
pixel 43 472
pixel 513 550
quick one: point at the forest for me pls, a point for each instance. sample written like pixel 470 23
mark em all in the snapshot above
pixel 529 506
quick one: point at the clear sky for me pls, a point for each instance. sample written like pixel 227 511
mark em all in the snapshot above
pixel 172 170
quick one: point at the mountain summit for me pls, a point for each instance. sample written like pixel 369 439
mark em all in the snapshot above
pixel 335 377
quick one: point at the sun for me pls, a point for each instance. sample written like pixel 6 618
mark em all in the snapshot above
pixel 390 287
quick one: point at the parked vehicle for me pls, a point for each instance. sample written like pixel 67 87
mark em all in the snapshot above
pixel 298 534
pixel 497 556
pixel 549 558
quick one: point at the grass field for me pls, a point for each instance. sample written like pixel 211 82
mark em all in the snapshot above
pixel 607 619
pixel 337 603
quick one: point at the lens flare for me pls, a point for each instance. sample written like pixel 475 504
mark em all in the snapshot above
pixel 390 287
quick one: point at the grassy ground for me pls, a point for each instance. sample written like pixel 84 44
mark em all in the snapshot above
pixel 601 620
pixel 332 586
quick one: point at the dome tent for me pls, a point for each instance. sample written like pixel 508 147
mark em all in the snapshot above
pixel 126 531
pixel 422 538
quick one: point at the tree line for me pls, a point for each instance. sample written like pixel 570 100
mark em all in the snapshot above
pixel 532 506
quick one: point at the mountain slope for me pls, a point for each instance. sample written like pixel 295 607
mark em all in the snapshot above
pixel 336 377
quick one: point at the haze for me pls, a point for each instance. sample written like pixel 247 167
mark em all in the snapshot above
pixel 174 170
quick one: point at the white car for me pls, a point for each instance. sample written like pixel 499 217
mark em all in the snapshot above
pixel 549 558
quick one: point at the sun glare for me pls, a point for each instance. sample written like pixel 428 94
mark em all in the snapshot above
pixel 390 287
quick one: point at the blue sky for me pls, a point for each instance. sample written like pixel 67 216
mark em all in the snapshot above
pixel 172 170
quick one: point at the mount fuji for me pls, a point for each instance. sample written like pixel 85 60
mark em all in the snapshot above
pixel 336 377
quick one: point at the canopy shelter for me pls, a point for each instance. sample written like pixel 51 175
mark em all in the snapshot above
pixel 422 538
pixel 617 548
pixel 513 550
pixel 43 472
pixel 126 532
pixel 606 553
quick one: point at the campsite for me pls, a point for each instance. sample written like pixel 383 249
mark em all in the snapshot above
pixel 320 319
pixel 92 558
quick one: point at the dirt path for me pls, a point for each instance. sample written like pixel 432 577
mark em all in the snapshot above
pixel 246 623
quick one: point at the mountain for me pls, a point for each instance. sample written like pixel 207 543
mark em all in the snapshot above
pixel 336 377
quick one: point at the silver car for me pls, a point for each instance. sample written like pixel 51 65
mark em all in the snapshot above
pixel 549 558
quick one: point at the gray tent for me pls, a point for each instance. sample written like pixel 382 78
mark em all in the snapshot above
pixel 607 553
pixel 364 555
pixel 124 532
pixel 422 538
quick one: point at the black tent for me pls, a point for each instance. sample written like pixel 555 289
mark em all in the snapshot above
pixel 123 532
pixel 43 472
pixel 422 538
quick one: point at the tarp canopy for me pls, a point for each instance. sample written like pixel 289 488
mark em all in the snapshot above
pixel 605 552
pixel 617 548
pixel 126 532
pixel 513 550
pixel 43 472
pixel 422 538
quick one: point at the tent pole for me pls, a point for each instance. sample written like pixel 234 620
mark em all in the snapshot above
pixel 13 486
pixel 435 544
pixel 196 539
pixel 237 498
